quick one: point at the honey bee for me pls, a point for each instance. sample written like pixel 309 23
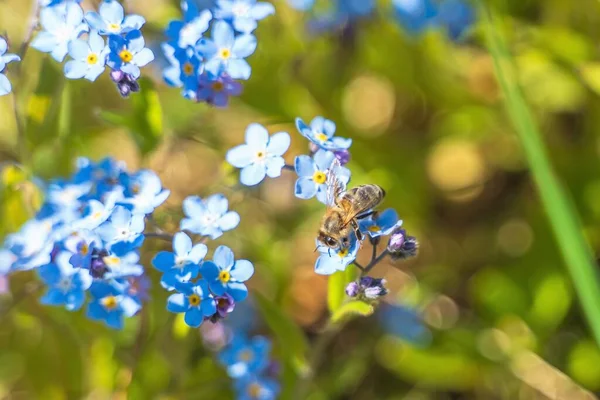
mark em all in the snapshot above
pixel 344 209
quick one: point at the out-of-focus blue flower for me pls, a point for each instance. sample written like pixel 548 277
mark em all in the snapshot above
pixel 194 300
pixel 171 73
pixel 302 5
pixel 254 387
pixel 226 275
pixel 355 8
pixel 66 284
pixel 186 33
pixel 98 212
pixel 208 217
pixel 5 58
pixel 81 247
pixel 89 58
pixel 190 67
pixel 243 14
pixel 144 192
pixel 29 248
pixel 123 227
pixel 216 90
pixel 52 3
pixel 226 53
pixel 415 15
pixel 332 260
pixel 138 287
pixel 321 132
pixel 111 19
pixel 456 16
pixel 122 266
pixel 380 224
pixel 128 53
pixel 183 263
pixel 404 322
pixel 60 28
pixel 111 303
pixel 312 175
pixel 261 155
pixel 243 356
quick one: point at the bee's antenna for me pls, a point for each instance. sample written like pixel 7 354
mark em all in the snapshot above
pixel 316 248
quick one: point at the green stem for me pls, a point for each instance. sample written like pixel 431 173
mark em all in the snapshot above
pixel 561 214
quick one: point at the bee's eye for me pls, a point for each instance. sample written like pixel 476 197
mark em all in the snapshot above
pixel 330 241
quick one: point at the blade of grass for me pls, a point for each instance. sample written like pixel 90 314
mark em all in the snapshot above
pixel 561 213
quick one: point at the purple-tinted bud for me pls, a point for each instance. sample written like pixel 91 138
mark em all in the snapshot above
pixel 124 89
pixel 225 305
pixel 54 252
pixel 352 289
pixel 274 368
pixel 366 281
pixel 396 240
pixel 402 246
pixel 117 75
pixel 373 293
pixel 343 156
pixel 98 267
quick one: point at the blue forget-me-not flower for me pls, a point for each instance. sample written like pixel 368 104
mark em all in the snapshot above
pixel 66 284
pixel 193 299
pixel 111 19
pixel 312 175
pixel 186 33
pixel 128 53
pixel 60 27
pixel 333 260
pixel 208 217
pixel 261 155
pixel 244 14
pixel 111 303
pixel 183 263
pixel 321 133
pixel 380 224
pixel 226 275
pixel 89 58
pixel 244 356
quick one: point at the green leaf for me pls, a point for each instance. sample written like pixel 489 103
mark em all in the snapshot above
pixel 559 209
pixel 146 124
pixel 336 291
pixel 352 309
pixel 292 339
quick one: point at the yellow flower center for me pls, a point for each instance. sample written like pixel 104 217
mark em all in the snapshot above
pixel 85 249
pixel 246 356
pixel 260 155
pixel 224 53
pixel 218 86
pixel 374 228
pixel 194 300
pixel 126 55
pixel 319 177
pixel 97 215
pixel 135 189
pixel 109 302
pixel 92 58
pixel 321 137
pixel 254 390
pixel 188 69
pixel 111 260
pixel 114 27
pixel 343 253
pixel 224 276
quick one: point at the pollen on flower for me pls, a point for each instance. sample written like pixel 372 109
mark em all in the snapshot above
pixel 188 69
pixel 319 177
pixel 224 276
pixel 343 253
pixel 374 228
pixel 246 356
pixel 111 260
pixel 321 137
pixel 194 299
pixel 254 390
pixel 97 215
pixel 114 27
pixel 109 302
pixel 135 189
pixel 224 53
pixel 92 58
pixel 126 55
pixel 260 155
pixel 218 86
pixel 85 249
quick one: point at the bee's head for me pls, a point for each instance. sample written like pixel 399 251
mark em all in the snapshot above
pixel 328 241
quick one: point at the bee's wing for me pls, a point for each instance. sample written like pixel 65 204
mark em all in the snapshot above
pixel 335 187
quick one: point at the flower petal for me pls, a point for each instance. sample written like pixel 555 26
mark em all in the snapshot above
pixel 239 69
pixel 194 207
pixel 144 57
pixel 305 188
pixel 274 166
pixel 223 34
pixel 244 46
pixel 177 303
pixel 217 204
pixel 279 143
pixel 323 159
pixel 304 166
pixel 5 86
pixel 229 221
pixel 182 244
pixel 112 12
pixel 198 253
pixel 238 291
pixel 253 174
pixel 164 261
pixel 193 317
pixel 240 156
pixel 242 270
pixel 223 257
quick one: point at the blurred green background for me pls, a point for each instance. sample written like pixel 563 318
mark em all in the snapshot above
pixel 428 124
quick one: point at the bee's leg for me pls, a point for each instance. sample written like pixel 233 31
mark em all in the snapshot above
pixel 357 231
pixel 365 215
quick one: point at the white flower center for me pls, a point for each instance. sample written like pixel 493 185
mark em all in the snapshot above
pixel 64 284
pixel 180 262
pixel 209 219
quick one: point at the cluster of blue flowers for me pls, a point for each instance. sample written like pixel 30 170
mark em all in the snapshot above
pixel 415 16
pixel 208 69
pixel 5 58
pixel 249 365
pixel 262 155
pixel 87 237
pixel 64 25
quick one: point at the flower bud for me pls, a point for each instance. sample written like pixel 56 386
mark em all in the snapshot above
pixel 402 246
pixel 343 156
pixel 352 289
